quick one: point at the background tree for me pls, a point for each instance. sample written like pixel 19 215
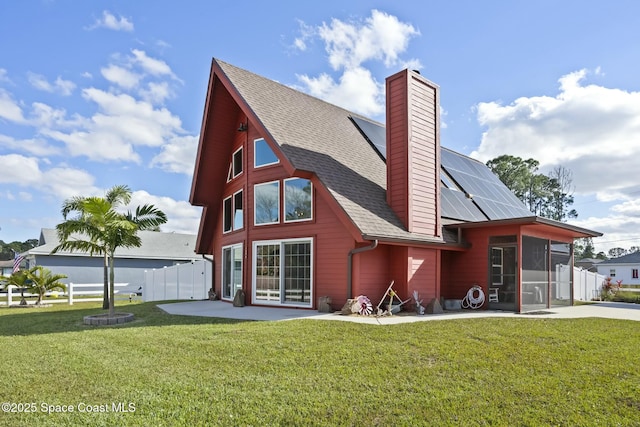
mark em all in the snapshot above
pixel 549 195
pixel 617 252
pixel 583 248
pixel 42 280
pixel 561 195
pixel 7 249
pixel 94 225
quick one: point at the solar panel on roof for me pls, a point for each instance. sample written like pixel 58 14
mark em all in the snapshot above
pixel 490 198
pixel 455 205
pixel 374 133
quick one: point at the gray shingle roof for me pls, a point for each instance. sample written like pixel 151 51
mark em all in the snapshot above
pixel 155 245
pixel 319 137
pixel 633 258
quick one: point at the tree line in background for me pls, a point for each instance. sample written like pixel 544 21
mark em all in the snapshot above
pixel 7 249
pixel 549 196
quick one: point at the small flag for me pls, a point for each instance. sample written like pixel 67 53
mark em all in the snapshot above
pixel 16 262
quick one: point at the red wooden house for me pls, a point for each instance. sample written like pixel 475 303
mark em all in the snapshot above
pixel 303 199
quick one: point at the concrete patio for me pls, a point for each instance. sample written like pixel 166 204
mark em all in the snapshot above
pixel 610 310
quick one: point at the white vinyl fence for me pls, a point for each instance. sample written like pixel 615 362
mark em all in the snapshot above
pixel 586 285
pixel 76 292
pixel 189 281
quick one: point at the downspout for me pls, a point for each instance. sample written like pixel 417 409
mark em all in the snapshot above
pixel 352 252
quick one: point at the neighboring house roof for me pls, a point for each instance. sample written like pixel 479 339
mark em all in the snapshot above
pixel 633 258
pixel 346 152
pixel 155 245
pixel 590 260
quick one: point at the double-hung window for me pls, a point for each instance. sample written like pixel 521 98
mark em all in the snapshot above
pixel 235 168
pixel 233 212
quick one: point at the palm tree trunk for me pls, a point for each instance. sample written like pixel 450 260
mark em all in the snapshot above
pixel 112 309
pixel 105 291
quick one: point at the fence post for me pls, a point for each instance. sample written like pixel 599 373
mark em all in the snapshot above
pixel 178 281
pixel 70 293
pixel 9 292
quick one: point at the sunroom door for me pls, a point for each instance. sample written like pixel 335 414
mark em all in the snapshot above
pixel 503 278
pixel 231 270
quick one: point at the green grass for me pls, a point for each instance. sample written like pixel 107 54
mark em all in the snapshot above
pixel 193 371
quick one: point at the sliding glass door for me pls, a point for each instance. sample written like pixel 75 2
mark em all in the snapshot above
pixel 283 272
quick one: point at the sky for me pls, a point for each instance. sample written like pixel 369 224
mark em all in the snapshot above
pixel 101 93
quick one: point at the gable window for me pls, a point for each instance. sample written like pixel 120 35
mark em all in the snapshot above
pixel 297 199
pixel 233 212
pixel 634 273
pixel 235 168
pixel 283 271
pixel 263 155
pixel 267 203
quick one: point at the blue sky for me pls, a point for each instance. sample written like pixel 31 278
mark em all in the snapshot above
pixel 94 94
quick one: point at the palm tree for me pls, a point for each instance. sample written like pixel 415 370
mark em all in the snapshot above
pixel 98 228
pixel 20 280
pixel 42 280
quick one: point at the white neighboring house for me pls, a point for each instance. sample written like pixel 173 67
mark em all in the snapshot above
pixel 625 268
pixel 157 251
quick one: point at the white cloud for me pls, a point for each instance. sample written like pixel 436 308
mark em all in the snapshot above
pixel 61 86
pixel 19 169
pixel 578 128
pixel 111 22
pixel 123 77
pixel 120 124
pixel 357 90
pixel 182 217
pixel 380 37
pixel 178 155
pixel 152 66
pixel 156 93
pixel 60 182
pixel 37 146
pixel 3 75
pixel 9 109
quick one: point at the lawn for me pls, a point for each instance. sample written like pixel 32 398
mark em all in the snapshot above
pixel 178 370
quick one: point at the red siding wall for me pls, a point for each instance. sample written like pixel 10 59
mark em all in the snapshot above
pixel 332 242
pixel 423 273
pixel 371 275
pixel 461 270
pixel 413 152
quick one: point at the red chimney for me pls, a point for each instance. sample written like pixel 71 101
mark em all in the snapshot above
pixel 413 151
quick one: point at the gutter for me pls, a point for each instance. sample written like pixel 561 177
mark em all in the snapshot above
pixel 352 252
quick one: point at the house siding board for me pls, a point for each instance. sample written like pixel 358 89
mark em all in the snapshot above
pixel 423 274
pixel 372 273
pixel 412 152
pixel 397 147
pixel 332 241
